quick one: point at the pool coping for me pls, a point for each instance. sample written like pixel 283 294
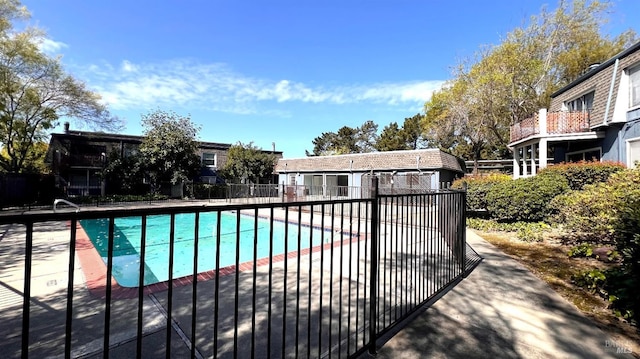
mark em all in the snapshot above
pixel 95 269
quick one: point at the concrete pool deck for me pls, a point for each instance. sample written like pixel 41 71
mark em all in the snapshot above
pixel 499 311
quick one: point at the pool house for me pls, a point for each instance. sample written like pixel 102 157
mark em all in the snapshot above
pixel 344 175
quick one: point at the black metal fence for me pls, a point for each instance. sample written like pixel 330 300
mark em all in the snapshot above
pixel 300 279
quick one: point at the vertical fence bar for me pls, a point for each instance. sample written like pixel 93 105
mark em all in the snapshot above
pixel 26 299
pixel 424 204
pixel 298 279
pixel 236 300
pixel 321 309
pixel 385 263
pixel 143 249
pixel 403 256
pixel 216 292
pixel 172 241
pixel 463 229
pixel 284 290
pixel 349 281
pixel 107 310
pixel 310 283
pixel 373 286
pixel 341 235
pixel 331 257
pixel 270 289
pixel 69 313
pixel 194 293
pixel 358 274
pixel 412 255
pixel 255 277
pixel 395 264
pixel 364 280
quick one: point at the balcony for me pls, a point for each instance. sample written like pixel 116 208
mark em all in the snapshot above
pixel 87 160
pixel 552 123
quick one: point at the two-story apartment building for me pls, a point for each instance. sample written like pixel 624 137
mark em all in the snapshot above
pixel 77 158
pixel 595 117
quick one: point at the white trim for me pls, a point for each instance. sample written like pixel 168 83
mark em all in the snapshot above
pixel 566 155
pixel 635 69
pixel 215 159
pixel 559 137
pixel 628 149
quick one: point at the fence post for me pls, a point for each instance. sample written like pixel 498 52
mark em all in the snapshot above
pixel 373 285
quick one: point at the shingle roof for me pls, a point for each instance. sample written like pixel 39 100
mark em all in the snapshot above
pixel 429 159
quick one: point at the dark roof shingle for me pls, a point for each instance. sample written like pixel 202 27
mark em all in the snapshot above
pixel 429 159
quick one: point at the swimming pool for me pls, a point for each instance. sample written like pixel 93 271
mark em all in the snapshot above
pixel 127 243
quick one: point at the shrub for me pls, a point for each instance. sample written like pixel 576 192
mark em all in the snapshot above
pixel 611 211
pixel 477 188
pixel 581 250
pixel 587 212
pixel 525 231
pixel 593 280
pixel 580 174
pixel 524 199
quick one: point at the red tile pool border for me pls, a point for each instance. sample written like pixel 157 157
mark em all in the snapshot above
pixel 95 270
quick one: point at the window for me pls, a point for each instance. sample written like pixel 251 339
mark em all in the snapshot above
pixel 209 159
pixel 592 154
pixel 633 152
pixel 583 103
pixel 634 87
pixel 129 151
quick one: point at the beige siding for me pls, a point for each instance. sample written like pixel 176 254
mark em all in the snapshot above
pixel 601 83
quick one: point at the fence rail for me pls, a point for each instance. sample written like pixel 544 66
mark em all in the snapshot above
pixel 323 278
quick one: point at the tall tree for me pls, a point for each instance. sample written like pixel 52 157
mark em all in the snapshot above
pixel 346 140
pixel 366 137
pixel 511 81
pixel 248 164
pixel 35 91
pixel 412 131
pixel 392 138
pixel 168 150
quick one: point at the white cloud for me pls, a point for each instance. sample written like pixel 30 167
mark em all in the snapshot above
pixel 216 87
pixel 51 47
pixel 128 66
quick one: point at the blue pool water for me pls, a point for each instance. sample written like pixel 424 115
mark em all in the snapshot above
pixel 127 234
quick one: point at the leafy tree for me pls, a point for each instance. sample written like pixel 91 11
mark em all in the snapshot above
pixel 124 174
pixel 168 150
pixel 35 91
pixel 248 164
pixel 34 161
pixel 346 140
pixel 472 114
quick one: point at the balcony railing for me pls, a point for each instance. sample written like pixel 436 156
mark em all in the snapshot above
pixel 87 160
pixel 551 123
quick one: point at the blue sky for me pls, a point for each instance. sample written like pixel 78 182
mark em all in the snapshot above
pixel 277 71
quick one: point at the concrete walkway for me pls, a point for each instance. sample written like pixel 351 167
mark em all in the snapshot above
pixel 501 310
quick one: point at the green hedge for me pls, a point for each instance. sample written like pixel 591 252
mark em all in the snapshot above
pixel 478 187
pixel 611 211
pixel 580 174
pixel 525 199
